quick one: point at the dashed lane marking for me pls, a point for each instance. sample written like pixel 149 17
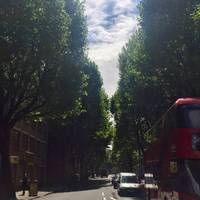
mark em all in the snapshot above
pixel 103 196
pixel 112 198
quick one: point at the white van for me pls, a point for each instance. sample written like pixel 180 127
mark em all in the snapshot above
pixel 128 183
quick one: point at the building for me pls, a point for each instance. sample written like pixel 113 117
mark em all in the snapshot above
pixel 28 152
pixel 63 158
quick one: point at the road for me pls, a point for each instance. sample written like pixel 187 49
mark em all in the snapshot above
pixel 98 189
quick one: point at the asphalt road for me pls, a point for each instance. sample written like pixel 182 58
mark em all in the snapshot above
pixel 98 189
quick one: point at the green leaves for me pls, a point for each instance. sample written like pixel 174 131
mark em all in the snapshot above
pixel 78 27
pixel 159 64
pixel 34 41
pixel 45 73
pixel 196 14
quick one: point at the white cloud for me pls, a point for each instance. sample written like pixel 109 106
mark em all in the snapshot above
pixel 110 24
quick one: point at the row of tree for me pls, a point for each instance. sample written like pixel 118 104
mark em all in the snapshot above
pixel 45 74
pixel 159 64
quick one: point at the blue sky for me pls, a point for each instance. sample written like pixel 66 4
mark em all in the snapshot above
pixel 110 24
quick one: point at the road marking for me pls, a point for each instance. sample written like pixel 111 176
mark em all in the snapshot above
pixel 103 196
pixel 114 195
pixel 112 198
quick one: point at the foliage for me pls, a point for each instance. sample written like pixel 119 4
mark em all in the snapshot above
pixel 34 37
pixel 45 74
pixel 78 27
pixel 94 127
pixel 31 50
pixel 159 64
pixel 196 14
pixel 70 82
pixel 77 110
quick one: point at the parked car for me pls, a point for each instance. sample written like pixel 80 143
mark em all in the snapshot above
pixel 128 183
pixel 104 173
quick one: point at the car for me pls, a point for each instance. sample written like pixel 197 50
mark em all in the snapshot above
pixel 104 173
pixel 128 183
pixel 114 180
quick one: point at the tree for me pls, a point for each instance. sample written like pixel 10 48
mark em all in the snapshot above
pixel 99 156
pixel 158 65
pixel 70 124
pixel 92 113
pixel 78 27
pixel 129 102
pixel 70 81
pixel 33 39
pixel 64 105
pixel 171 41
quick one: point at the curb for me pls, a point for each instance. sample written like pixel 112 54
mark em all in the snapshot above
pixel 48 193
pixel 37 197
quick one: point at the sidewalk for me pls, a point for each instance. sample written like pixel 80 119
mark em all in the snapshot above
pixel 42 193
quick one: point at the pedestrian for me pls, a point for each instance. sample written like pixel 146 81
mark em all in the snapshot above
pixel 24 183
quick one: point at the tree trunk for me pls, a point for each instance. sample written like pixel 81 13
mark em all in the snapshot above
pixel 7 191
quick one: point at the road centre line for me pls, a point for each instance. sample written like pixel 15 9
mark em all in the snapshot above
pixel 103 196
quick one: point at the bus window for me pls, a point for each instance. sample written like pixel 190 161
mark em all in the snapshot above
pixel 194 118
pixel 188 116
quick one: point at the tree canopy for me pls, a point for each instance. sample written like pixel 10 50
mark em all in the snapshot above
pixel 159 64
pixel 45 74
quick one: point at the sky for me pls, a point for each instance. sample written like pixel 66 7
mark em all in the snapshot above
pixel 110 25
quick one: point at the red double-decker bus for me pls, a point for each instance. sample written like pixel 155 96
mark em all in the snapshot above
pixel 174 157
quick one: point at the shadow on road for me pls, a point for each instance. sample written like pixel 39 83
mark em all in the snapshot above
pixel 91 184
pixel 137 195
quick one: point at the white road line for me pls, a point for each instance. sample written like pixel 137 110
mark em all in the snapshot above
pixel 103 196
pixel 112 198
pixel 114 195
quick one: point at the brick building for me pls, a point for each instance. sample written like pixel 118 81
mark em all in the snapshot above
pixel 62 158
pixel 28 152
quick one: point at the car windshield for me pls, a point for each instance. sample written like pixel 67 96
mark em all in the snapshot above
pixel 129 179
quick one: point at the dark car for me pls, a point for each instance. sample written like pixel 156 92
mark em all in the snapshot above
pixel 104 173
pixel 114 180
